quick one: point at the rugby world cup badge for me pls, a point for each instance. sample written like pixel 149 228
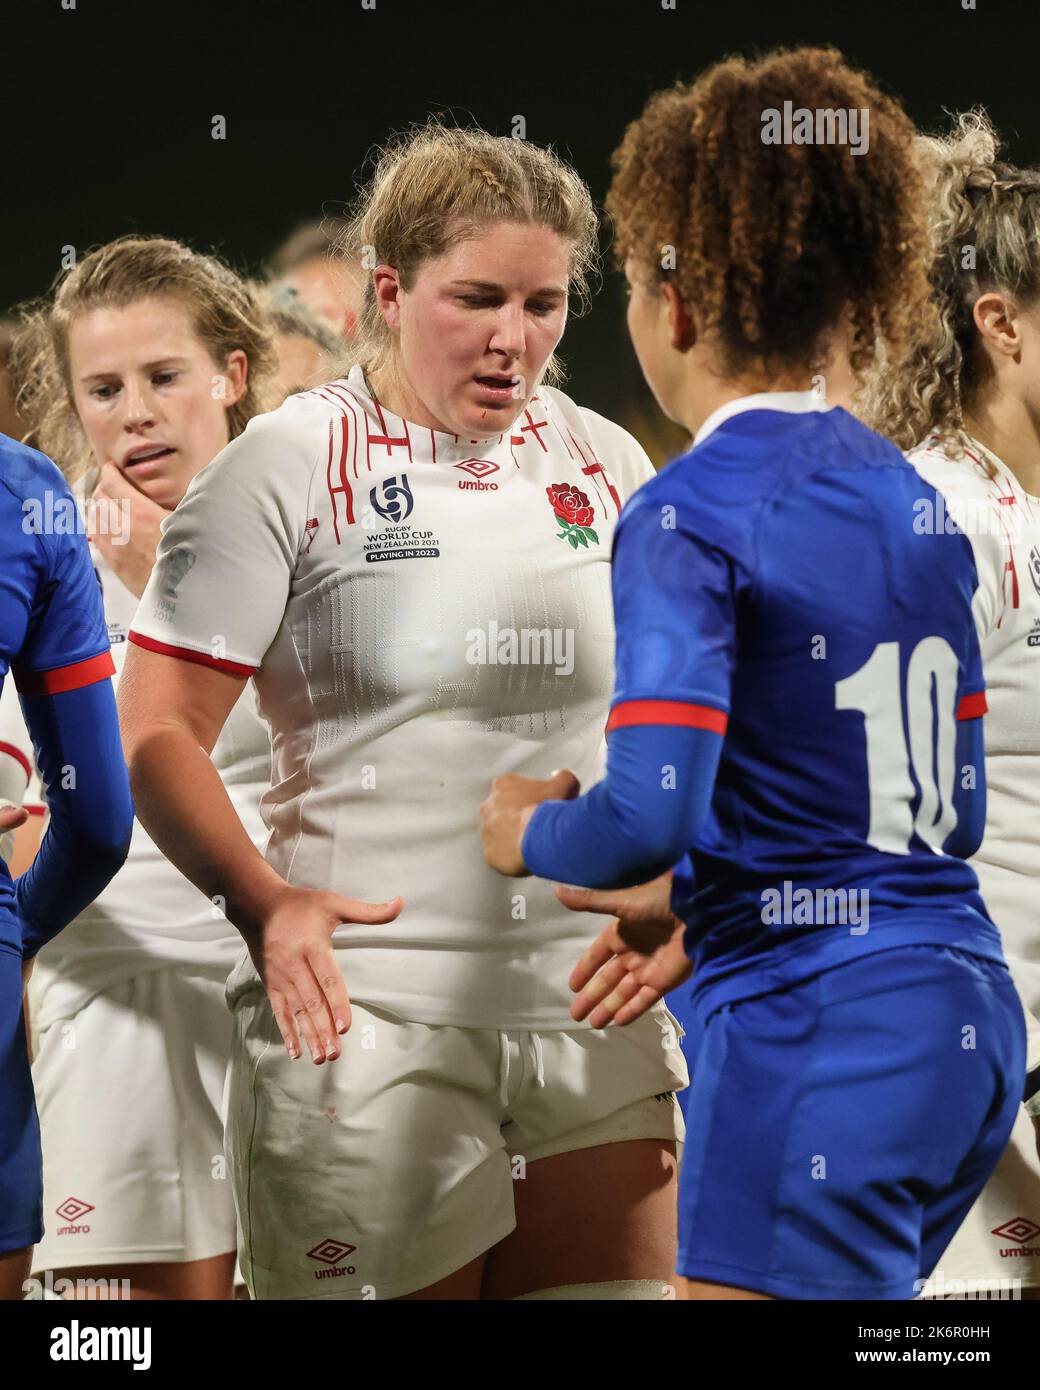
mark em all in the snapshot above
pixel 392 499
pixel 1034 567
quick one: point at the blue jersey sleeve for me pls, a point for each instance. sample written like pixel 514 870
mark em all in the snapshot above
pixel 61 663
pixel 675 598
pixel 66 644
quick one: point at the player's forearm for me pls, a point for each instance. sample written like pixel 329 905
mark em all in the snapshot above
pixel 183 804
pixel 639 821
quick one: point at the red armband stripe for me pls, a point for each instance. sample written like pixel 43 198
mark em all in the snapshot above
pixel 19 757
pixel 215 663
pixel 62 678
pixel 678 712
pixel 973 706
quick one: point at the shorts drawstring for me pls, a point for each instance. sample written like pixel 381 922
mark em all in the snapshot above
pixel 539 1061
pixel 503 1064
pixel 503 1069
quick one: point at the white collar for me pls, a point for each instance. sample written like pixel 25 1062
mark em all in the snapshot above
pixel 424 445
pixel 999 464
pixel 790 402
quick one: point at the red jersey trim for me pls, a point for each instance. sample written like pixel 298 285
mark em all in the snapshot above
pixel 19 757
pixel 62 678
pixel 689 716
pixel 215 663
pixel 34 810
pixel 973 706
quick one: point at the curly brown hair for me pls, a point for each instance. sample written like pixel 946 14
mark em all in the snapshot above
pixel 776 245
pixel 978 204
pixel 224 310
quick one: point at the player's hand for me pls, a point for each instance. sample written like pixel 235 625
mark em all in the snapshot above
pixel 11 816
pixel 134 558
pixel 510 805
pixel 293 954
pixel 646 905
pixel 634 961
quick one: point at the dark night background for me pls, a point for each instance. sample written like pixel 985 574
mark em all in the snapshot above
pixel 107 107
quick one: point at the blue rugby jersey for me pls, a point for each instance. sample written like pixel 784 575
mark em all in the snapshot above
pixel 780 615
pixel 54 642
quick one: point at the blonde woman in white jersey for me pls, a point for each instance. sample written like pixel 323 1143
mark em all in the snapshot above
pixel 148 360
pixel 969 403
pixel 414 562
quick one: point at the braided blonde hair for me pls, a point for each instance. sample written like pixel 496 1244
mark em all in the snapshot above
pixel 985 225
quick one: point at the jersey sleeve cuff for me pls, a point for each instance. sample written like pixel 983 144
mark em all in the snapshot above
pixel 19 757
pixel 677 712
pixel 973 706
pixel 72 677
pixel 215 663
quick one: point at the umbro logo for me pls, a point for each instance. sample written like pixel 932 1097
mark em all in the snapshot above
pixel 332 1253
pixel 70 1211
pixel 72 1207
pixel 1020 1232
pixel 478 469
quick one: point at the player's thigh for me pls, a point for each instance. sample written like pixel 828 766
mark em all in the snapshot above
pixel 590 1216
pixel 14 1272
pixel 464 1284
pixel 203 1280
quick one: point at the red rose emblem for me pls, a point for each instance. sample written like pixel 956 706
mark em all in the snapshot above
pixel 570 504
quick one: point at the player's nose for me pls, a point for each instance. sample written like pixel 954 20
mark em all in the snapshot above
pixel 509 336
pixel 138 409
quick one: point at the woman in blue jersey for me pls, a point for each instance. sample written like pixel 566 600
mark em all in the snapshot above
pixel 797 704
pixel 54 643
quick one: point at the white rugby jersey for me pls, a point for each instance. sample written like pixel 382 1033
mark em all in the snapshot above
pixel 19 782
pixel 1003 524
pixel 150 916
pixel 422 613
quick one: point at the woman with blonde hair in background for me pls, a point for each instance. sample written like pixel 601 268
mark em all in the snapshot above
pixel 146 361
pixel 967 406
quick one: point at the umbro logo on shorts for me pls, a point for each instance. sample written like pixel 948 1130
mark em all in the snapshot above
pixel 330 1253
pixel 71 1210
pixel 1019 1230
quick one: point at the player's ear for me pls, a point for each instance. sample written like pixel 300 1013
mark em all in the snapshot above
pixel 682 325
pixel 998 321
pixel 236 375
pixel 387 286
